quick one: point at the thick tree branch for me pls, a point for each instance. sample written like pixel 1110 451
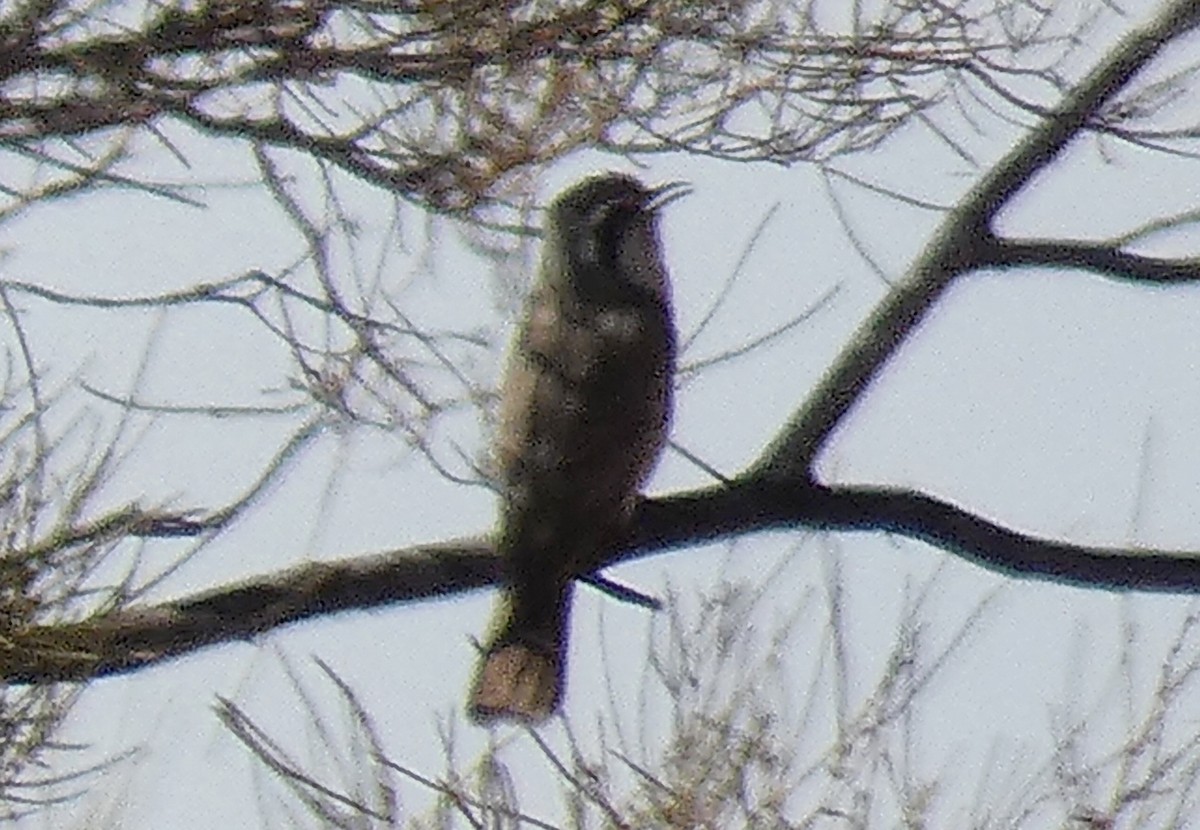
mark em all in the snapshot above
pixel 764 504
pixel 135 638
pixel 964 243
pixel 1067 120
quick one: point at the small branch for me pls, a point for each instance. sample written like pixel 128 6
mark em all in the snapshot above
pixel 127 522
pixel 1099 257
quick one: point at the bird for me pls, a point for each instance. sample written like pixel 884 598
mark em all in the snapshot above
pixel 585 406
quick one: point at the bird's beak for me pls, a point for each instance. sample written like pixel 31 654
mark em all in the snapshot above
pixel 664 195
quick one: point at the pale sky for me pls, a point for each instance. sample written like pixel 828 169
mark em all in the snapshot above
pixel 1042 400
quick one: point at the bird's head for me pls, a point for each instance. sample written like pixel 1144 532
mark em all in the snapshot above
pixel 602 232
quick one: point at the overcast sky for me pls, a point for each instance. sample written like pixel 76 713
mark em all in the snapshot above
pixel 1060 404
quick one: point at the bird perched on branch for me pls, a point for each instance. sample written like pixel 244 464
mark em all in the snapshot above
pixel 584 410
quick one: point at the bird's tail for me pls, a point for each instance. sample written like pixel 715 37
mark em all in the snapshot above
pixel 521 674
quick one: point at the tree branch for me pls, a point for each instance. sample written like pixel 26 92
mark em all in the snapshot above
pixel 134 638
pixel 461 98
pixel 964 243
pixel 752 505
pixel 1099 257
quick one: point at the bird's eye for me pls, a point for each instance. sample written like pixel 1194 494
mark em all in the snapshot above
pixel 603 228
pixel 595 237
pixel 600 216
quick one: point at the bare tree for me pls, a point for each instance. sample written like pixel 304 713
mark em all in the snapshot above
pixel 454 107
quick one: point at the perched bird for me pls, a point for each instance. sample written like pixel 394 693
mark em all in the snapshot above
pixel 584 410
